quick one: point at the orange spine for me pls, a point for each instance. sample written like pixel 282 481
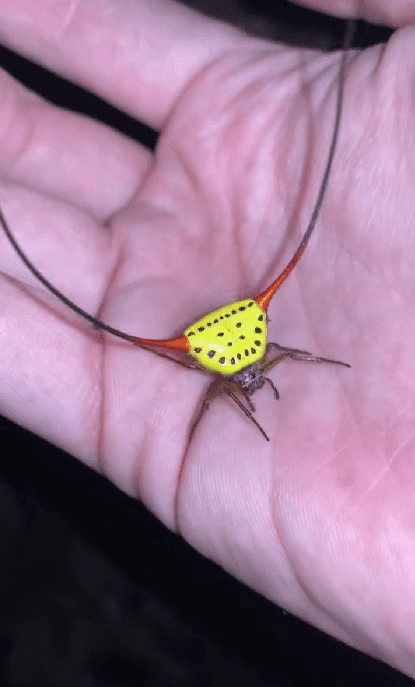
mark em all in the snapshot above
pixel 180 343
pixel 264 298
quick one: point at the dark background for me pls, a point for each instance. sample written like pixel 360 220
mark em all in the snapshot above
pixel 94 591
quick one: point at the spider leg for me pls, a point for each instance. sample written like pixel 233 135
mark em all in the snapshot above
pixel 247 399
pixel 214 390
pixel 273 387
pixel 183 363
pixel 271 344
pixel 247 412
pixel 267 365
pixel 230 386
pixel 220 387
pixel 296 354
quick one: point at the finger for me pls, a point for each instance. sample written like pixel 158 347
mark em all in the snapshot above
pixel 394 13
pixel 137 54
pixel 65 154
pixel 44 373
pixel 44 368
pixel 54 367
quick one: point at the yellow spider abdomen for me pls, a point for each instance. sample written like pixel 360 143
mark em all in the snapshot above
pixel 229 339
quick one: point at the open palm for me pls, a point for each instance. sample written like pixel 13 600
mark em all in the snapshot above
pixel 321 519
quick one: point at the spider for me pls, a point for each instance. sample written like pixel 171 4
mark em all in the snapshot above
pixel 230 342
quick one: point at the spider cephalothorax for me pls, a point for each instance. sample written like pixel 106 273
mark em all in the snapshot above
pixel 251 378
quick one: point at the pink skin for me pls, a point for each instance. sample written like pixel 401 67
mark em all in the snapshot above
pixel 321 520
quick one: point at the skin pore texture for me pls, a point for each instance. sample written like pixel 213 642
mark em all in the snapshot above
pixel 321 519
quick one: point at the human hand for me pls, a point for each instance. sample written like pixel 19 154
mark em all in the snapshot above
pixel 320 520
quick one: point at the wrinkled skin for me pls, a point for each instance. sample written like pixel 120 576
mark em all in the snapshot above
pixel 321 519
